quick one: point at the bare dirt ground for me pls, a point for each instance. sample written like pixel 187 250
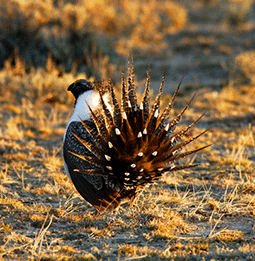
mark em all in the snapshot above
pixel 207 213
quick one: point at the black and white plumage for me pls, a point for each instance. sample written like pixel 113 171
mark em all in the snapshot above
pixel 114 148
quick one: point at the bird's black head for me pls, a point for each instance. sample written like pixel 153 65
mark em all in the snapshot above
pixel 79 87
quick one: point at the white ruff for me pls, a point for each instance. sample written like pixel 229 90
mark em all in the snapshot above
pixel 81 110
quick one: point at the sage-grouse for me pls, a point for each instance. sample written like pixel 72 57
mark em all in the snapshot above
pixel 114 148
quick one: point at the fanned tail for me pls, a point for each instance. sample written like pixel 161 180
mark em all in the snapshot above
pixel 134 145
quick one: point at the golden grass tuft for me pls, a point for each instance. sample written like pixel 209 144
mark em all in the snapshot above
pixel 229 236
pixel 245 68
pixel 11 203
pixel 166 225
pixel 238 11
pixel 148 27
pixel 5 228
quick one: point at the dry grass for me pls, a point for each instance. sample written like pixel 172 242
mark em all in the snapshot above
pixel 244 68
pixel 148 28
pixel 238 11
pixel 203 213
pixel 67 29
pixel 234 13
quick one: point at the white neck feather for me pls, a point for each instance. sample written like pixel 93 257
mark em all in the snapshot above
pixel 81 110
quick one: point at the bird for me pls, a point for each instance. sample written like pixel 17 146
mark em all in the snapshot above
pixel 113 148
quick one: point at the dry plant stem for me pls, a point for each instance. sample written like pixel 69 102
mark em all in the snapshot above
pixel 41 236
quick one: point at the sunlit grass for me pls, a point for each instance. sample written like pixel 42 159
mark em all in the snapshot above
pixel 127 25
pixel 193 212
pixel 207 212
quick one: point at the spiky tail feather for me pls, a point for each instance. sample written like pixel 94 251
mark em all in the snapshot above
pixel 134 145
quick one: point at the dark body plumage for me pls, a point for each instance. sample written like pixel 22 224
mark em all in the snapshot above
pixel 117 148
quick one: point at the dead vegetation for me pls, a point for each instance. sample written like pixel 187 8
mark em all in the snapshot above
pixel 204 213
pixel 207 212
pixel 67 28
